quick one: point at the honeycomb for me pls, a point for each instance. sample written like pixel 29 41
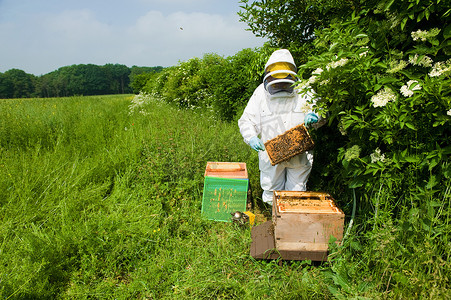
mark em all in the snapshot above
pixel 288 144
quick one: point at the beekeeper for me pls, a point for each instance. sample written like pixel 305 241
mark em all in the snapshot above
pixel 275 107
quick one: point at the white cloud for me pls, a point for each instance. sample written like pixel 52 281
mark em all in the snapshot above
pixel 45 42
pixel 190 34
pixel 76 26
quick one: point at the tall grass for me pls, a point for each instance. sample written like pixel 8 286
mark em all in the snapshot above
pixel 96 202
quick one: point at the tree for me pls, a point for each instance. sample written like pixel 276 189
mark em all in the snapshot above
pixel 118 77
pixel 139 76
pixel 292 23
pixel 16 83
pixel 6 86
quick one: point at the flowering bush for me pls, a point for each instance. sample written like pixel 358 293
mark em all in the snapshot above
pixel 212 82
pixel 392 102
pixel 383 78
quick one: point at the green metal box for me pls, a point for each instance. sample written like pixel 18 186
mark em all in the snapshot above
pixel 225 190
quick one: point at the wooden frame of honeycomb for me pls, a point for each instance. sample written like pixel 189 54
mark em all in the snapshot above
pixel 288 144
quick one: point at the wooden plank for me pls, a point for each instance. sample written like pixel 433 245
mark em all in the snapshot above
pixel 317 206
pixel 226 170
pixel 263 246
pixel 303 255
pixel 308 228
pixel 224 167
pixel 315 247
pixel 302 194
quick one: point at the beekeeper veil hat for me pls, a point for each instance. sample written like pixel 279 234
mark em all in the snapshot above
pixel 280 72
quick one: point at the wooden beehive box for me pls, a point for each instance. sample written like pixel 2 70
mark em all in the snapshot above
pixel 303 224
pixel 290 143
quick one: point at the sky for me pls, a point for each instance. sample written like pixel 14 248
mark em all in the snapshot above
pixel 40 36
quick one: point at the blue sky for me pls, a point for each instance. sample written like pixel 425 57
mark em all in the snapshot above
pixel 39 36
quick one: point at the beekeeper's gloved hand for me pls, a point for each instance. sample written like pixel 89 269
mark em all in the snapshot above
pixel 310 119
pixel 256 144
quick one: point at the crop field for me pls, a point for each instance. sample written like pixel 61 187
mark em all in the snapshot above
pixel 96 202
pixel 100 198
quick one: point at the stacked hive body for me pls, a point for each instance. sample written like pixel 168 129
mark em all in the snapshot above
pixel 291 143
pixel 301 227
pixel 225 190
pixel 304 223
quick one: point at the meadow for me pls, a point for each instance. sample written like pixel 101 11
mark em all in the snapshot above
pixel 99 203
pixel 100 198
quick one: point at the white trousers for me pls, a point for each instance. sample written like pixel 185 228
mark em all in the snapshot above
pixel 291 175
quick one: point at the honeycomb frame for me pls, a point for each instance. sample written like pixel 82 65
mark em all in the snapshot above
pixel 288 144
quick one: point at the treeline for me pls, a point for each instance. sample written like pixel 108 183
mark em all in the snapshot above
pixel 82 79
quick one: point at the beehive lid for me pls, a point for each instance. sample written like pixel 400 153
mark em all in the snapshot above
pixel 292 142
pixel 222 196
pixel 304 202
pixel 226 170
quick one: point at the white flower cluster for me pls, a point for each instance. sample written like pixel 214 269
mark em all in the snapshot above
pixel 424 35
pixel 315 75
pixel 365 51
pixel 363 54
pixel 377 156
pixel 338 63
pixel 396 66
pixel 352 153
pixel 138 102
pixel 318 71
pixel 383 97
pixel 448 112
pixel 342 129
pixel 311 80
pixel 440 67
pixel 425 61
pixel 407 90
pixel 419 35
pixel 324 82
pixel 306 107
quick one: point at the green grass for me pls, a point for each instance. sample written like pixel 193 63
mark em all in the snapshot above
pixel 99 203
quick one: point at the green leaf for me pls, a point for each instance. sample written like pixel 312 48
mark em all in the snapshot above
pixel 427 13
pixel 434 161
pixel 332 239
pixel 387 7
pixel 355 183
pixel 411 126
pixel 411 159
pixel 432 182
pixel 420 17
pixel 447 32
pixel 387 80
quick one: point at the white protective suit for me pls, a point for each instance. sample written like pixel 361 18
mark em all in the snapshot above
pixel 269 115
